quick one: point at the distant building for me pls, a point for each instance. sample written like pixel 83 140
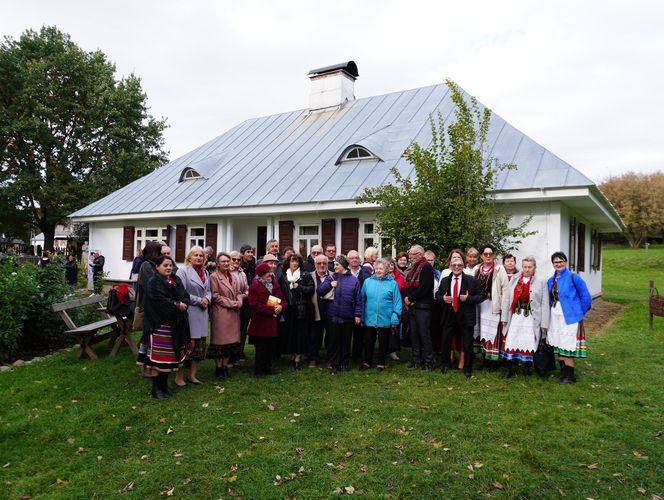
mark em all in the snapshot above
pixel 294 176
pixel 62 236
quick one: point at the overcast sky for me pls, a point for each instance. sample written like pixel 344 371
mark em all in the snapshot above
pixel 584 79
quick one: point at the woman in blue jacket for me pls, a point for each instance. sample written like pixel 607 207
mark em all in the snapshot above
pixel 381 312
pixel 343 311
pixel 570 300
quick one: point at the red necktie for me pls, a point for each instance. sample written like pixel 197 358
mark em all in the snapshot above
pixel 455 295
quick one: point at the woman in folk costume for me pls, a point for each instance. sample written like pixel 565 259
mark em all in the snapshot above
pixel 570 301
pixel 196 281
pixel 165 325
pixel 494 283
pixel 525 316
pixel 509 263
pixel 225 313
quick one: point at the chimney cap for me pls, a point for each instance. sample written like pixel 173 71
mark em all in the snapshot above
pixel 348 67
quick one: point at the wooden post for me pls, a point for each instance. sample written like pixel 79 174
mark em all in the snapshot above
pixel 651 292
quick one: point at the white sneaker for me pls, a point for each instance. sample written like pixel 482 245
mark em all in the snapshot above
pixel 394 356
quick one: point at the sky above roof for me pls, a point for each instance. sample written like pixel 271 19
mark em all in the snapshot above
pixel 583 79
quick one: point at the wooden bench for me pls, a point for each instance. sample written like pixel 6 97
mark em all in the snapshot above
pixel 90 334
pixel 656 303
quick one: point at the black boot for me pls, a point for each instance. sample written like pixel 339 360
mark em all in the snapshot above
pixel 562 370
pixel 509 370
pixel 164 384
pixel 569 377
pixel 527 368
pixel 157 391
pixel 217 372
pixel 227 372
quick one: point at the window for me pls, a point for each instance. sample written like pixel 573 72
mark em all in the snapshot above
pixel 581 245
pixel 197 237
pixel 357 153
pixel 571 259
pixel 595 251
pixel 189 174
pixel 369 237
pixel 145 234
pixel 307 236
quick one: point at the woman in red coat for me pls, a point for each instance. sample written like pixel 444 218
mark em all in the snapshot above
pixel 266 304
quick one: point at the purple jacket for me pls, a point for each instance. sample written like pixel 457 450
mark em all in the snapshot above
pixel 347 303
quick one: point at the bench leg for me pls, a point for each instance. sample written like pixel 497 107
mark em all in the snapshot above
pixel 85 347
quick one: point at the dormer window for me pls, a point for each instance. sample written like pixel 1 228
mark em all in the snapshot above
pixel 189 174
pixel 355 153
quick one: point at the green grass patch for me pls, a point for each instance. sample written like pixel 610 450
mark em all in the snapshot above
pixel 81 429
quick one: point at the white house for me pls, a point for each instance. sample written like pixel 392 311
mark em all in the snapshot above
pixel 294 176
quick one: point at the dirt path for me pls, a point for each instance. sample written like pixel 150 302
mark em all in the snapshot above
pixel 601 316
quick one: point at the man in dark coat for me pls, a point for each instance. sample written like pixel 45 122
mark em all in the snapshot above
pixel 419 300
pixel 459 295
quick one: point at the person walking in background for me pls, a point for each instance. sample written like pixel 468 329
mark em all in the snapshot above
pixel 419 300
pixel 196 282
pixel 135 268
pixel 570 301
pixel 525 316
pixel 71 273
pixel 381 313
pixel 98 262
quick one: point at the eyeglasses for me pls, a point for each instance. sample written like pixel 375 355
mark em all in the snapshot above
pixel 456 265
pixel 487 254
pixel 234 259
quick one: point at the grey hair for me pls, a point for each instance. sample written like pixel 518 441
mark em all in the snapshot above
pixel 321 257
pixel 529 258
pixel 418 248
pixel 381 262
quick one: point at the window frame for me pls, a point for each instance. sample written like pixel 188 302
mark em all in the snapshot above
pixel 309 238
pixel 143 238
pixel 368 156
pixel 196 240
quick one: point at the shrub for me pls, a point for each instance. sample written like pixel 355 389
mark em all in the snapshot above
pixel 18 290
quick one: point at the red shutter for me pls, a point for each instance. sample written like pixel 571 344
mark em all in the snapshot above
pixel 349 234
pixel 581 254
pixel 328 232
pixel 286 233
pixel 180 242
pixel 128 243
pixel 211 236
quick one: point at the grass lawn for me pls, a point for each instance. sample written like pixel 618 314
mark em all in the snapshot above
pixel 81 429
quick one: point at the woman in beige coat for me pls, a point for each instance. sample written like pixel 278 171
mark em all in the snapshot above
pixel 225 313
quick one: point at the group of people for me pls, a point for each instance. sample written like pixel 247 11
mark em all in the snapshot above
pixel 343 304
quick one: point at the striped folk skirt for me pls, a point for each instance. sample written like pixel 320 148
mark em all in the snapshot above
pixel 489 330
pixel 566 340
pixel 521 339
pixel 159 350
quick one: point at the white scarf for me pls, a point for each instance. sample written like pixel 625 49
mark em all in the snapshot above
pixel 292 277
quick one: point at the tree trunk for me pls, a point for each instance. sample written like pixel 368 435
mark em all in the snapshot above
pixel 49 236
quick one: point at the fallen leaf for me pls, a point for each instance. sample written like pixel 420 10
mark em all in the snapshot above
pixel 471 476
pixel 168 492
pixel 7 465
pixel 234 468
pixel 162 420
pixel 270 407
pixel 296 414
pixel 349 453
pixel 364 468
pixel 58 407
pixel 61 481
pixel 81 451
pixel 127 428
pixel 70 440
pixel 277 480
pixel 641 490
pixel 144 457
pixel 205 405
pixel 99 457
pixel 437 444
pixel 178 453
pixel 497 485
pixel 505 445
pixel 219 389
pixel 446 449
pixel 232 479
pixel 349 489
pixel 478 465
pixel 299 451
pixel 356 410
pixel 129 486
pixel 169 431
pixel 186 481
pixel 655 497
pixel 506 476
pixel 301 470
pixel 637 454
pixel 74 400
pixel 25 497
pixel 658 434
pixel 562 493
pixel 592 466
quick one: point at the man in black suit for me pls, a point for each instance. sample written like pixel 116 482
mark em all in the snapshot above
pixel 459 295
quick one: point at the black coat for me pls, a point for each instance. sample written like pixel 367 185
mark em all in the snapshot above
pixel 71 272
pixel 159 307
pixel 299 299
pixel 467 309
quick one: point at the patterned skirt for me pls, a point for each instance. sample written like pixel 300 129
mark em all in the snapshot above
pixel 216 351
pixel 197 350
pixel 488 329
pixel 566 340
pixel 521 339
pixel 159 351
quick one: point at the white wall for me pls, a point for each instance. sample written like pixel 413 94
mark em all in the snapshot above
pixel 107 237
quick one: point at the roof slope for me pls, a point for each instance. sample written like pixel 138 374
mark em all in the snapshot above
pixel 297 151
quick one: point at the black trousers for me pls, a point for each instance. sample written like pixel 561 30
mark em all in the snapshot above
pixel 340 334
pixel 450 328
pixel 420 336
pixel 370 335
pixel 265 347
pixel 317 328
pixel 358 343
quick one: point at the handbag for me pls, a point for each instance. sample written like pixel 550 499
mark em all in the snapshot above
pixel 544 359
pixel 329 295
pixel 138 318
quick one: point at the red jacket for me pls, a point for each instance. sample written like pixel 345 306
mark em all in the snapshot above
pixel 263 323
pixel 401 282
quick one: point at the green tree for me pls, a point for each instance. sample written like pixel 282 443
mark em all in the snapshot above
pixel 70 132
pixel 639 200
pixel 449 201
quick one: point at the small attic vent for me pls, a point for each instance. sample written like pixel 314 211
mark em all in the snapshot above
pixel 189 174
pixel 355 153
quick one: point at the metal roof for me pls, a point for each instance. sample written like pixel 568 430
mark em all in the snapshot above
pixel 290 158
